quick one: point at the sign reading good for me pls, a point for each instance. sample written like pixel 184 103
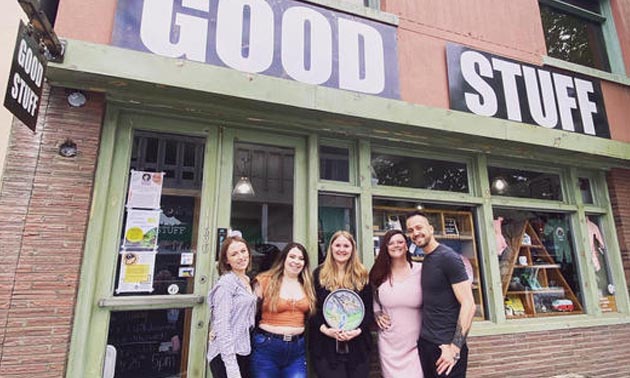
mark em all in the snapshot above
pixel 282 38
pixel 26 79
pixel 492 86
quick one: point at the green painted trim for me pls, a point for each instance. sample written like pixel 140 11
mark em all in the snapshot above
pixel 532 204
pixel 609 231
pixel 574 10
pixel 77 356
pixel 489 269
pixel 585 268
pixel 88 65
pixel 153 302
pixel 372 11
pixel 312 205
pixel 332 186
pixel 618 77
pixel 365 221
pixel 226 164
pixel 613 46
pixel 515 326
pixel 425 195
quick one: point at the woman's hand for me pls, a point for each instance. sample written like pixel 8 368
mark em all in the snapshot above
pixel 339 334
pixel 383 321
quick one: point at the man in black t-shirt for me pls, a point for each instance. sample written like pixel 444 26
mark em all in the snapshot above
pixel 448 304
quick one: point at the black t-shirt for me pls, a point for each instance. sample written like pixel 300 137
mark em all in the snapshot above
pixel 440 308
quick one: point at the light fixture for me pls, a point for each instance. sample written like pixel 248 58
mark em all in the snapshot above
pixel 500 185
pixel 243 186
pixel 68 149
pixel 77 99
pixel 419 206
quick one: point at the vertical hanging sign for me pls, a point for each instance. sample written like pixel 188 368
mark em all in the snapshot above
pixel 26 79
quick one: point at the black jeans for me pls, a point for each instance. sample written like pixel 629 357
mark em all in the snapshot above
pixel 217 367
pixel 430 353
pixel 341 369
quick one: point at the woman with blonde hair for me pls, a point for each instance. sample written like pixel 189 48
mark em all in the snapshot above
pixel 288 298
pixel 341 269
pixel 233 308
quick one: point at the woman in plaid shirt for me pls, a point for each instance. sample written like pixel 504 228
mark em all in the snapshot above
pixel 233 308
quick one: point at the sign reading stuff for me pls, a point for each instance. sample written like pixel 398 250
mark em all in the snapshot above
pixel 26 79
pixel 282 38
pixel 492 86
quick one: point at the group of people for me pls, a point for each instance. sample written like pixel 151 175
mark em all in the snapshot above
pixel 265 328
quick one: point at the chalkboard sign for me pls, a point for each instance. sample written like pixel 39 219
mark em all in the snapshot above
pixel 148 343
pixel 450 226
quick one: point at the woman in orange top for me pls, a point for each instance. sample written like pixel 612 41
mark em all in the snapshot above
pixel 286 290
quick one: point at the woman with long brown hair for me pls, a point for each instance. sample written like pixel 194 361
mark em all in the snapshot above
pixel 395 281
pixel 341 269
pixel 288 298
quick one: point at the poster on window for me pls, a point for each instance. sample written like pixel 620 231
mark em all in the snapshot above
pixel 136 272
pixel 145 190
pixel 141 229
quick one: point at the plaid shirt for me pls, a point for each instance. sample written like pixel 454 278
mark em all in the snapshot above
pixel 233 309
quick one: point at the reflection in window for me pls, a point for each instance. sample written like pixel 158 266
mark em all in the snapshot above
pixel 599 254
pixel 410 172
pixel 524 184
pixel 150 344
pixel 574 38
pixel 539 274
pixel 264 216
pixel 336 212
pixel 585 190
pixel 334 163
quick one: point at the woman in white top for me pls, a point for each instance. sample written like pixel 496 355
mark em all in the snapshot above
pixel 233 310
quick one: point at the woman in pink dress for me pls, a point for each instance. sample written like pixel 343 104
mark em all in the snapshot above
pixel 395 280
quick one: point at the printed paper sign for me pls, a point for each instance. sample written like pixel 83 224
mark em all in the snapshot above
pixel 145 190
pixel 187 258
pixel 141 230
pixel 136 272
pixel 186 272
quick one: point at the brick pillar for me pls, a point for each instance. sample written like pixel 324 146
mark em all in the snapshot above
pixel 619 187
pixel 44 203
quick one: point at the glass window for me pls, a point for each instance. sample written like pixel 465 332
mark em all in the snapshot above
pixel 598 251
pixel 149 344
pixel 334 163
pixel 585 190
pixel 539 273
pixel 411 172
pixel 336 212
pixel 572 36
pixel 262 210
pixel 524 184
pixel 453 226
pixel 169 269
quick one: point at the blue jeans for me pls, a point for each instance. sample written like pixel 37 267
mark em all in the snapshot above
pixel 274 358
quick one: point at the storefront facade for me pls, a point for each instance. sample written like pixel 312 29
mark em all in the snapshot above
pixel 537 205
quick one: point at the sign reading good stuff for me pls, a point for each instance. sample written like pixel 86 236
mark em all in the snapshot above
pixel 493 86
pixel 282 38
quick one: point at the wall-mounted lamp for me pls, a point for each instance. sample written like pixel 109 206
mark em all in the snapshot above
pixel 68 149
pixel 499 185
pixel 77 99
pixel 243 186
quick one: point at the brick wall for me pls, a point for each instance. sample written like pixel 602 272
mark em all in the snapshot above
pixel 44 203
pixel 619 187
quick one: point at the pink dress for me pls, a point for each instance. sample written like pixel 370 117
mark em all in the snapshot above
pixel 397 346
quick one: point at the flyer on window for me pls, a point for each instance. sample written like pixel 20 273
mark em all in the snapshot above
pixel 145 189
pixel 141 229
pixel 136 272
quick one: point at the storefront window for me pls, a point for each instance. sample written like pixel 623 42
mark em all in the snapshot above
pixel 537 262
pixel 264 214
pixel 524 184
pixel 336 212
pixel 158 242
pixel 585 190
pixel 149 343
pixel 599 255
pixel 453 226
pixel 334 163
pixel 572 35
pixel 411 172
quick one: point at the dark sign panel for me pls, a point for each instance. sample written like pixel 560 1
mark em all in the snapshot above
pixel 282 38
pixel 493 86
pixel 26 79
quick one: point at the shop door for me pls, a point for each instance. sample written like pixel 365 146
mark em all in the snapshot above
pixel 266 193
